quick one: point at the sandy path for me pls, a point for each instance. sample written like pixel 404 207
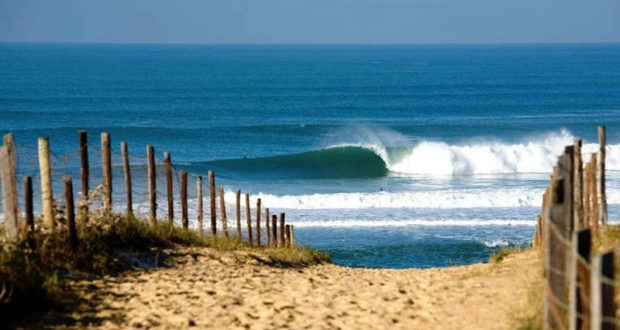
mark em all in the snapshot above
pixel 233 290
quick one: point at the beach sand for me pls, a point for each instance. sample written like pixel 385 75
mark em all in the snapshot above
pixel 235 290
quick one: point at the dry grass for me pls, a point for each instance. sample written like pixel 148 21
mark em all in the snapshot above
pixel 33 269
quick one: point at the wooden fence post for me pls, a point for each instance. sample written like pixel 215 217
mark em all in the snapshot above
pixel 292 236
pixel 267 228
pixel 258 211
pixel 239 213
pixel 9 144
pixel 274 228
pixel 223 212
pixel 248 218
pixel 579 313
pixel 106 171
pixel 578 186
pixel 288 235
pixel 602 197
pixel 150 155
pixel 603 307
pixel 282 230
pixel 557 254
pixel 11 225
pixel 594 208
pixel 127 172
pixel 29 209
pixel 47 195
pixel 169 188
pixel 587 223
pixel 212 203
pixel 200 209
pixel 70 212
pixel 85 173
pixel 184 217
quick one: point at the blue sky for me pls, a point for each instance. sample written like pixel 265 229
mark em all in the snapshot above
pixel 310 21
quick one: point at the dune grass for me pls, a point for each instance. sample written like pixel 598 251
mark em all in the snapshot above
pixel 32 269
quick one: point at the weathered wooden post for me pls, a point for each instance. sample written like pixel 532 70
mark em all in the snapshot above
pixel 150 155
pixel 200 208
pixel 85 173
pixel 127 173
pixel 579 312
pixel 602 197
pixel 603 307
pixel 557 254
pixel 29 209
pixel 292 237
pixel 282 230
pixel 587 222
pixel 578 186
pixel 248 218
pixel 274 228
pixel 11 225
pixel 106 171
pixel 267 228
pixel 70 212
pixel 239 213
pixel 594 208
pixel 223 212
pixel 288 235
pixel 169 188
pixel 47 196
pixel 212 203
pixel 184 217
pixel 258 211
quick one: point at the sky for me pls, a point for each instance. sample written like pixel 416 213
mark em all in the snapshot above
pixel 310 21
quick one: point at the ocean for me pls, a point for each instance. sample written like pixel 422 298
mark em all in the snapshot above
pixel 384 156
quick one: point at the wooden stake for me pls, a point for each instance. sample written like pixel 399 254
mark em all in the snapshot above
pixel 258 211
pixel 106 170
pixel 248 218
pixel 578 222
pixel 127 173
pixel 169 188
pixel 292 236
pixel 239 213
pixel 579 314
pixel 184 217
pixel 602 197
pixel 70 212
pixel 85 173
pixel 288 235
pixel 11 225
pixel 29 209
pixel 282 231
pixel 603 307
pixel 594 208
pixel 223 212
pixel 274 228
pixel 12 155
pixel 150 155
pixel 212 203
pixel 267 228
pixel 200 208
pixel 47 196
pixel 587 223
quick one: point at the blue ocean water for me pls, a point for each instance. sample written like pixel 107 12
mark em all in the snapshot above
pixel 385 156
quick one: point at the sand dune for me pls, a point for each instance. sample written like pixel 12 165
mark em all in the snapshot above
pixel 235 290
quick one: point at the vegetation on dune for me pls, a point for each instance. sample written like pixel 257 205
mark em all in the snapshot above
pixel 31 270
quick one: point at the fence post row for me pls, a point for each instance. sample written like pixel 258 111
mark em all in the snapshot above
pixel 10 196
pixel 573 208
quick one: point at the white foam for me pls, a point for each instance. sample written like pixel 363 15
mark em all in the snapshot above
pixel 533 156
